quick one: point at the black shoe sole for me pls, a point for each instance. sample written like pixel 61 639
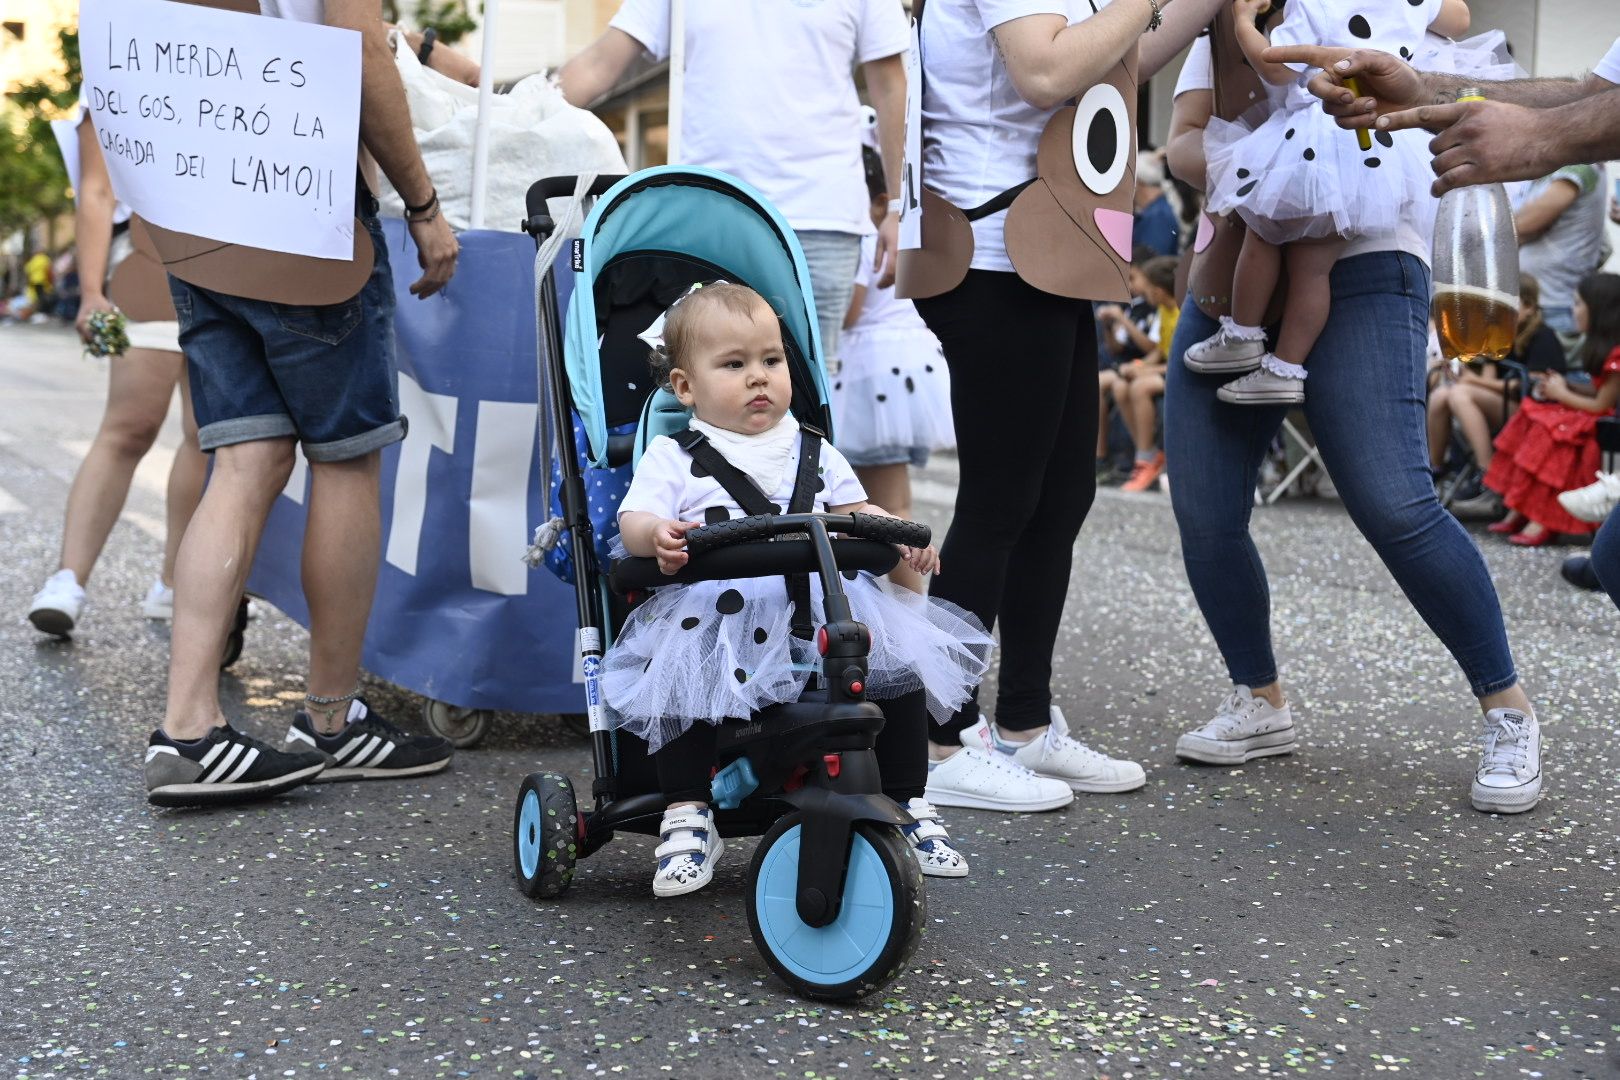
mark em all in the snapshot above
pixel 174 795
pixel 336 774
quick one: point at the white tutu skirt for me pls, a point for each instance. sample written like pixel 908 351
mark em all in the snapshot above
pixel 714 650
pixel 892 396
pixel 1483 56
pixel 1296 175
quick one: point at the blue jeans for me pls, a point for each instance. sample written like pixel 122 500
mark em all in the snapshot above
pixel 833 258
pixel 1606 557
pixel 1365 403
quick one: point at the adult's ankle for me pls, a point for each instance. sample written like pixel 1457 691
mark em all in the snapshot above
pixel 1272 695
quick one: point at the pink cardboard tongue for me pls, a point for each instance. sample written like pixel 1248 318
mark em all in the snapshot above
pixel 1115 225
pixel 1206 232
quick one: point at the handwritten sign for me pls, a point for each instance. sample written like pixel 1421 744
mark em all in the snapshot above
pixel 239 128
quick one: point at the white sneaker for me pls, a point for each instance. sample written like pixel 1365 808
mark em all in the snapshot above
pixel 1061 756
pixel 159 602
pixel 1263 386
pixel 1244 727
pixel 57 605
pixel 978 778
pixel 1509 776
pixel 931 844
pixel 1226 352
pixel 1594 501
pixel 687 857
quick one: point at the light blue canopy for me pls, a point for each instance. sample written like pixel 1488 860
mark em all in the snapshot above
pixel 703 215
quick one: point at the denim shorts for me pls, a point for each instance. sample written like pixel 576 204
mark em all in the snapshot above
pixel 324 375
pixel 915 456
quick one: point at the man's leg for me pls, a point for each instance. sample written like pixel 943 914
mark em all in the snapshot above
pixel 832 258
pixel 210 572
pixel 342 552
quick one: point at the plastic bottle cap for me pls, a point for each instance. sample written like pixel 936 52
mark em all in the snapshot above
pixel 1470 93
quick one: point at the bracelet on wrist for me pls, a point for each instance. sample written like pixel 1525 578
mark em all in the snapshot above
pixel 433 199
pixel 1157 18
pixel 895 205
pixel 429 37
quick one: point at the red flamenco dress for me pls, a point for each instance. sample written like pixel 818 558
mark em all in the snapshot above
pixel 1545 449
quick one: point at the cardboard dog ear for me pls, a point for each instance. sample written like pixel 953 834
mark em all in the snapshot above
pixel 942 262
pixel 255 273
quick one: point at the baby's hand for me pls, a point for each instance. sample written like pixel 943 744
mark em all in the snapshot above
pixel 922 560
pixel 1249 10
pixel 669 544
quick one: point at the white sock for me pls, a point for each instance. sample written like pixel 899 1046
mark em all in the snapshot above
pixel 1277 366
pixel 1237 329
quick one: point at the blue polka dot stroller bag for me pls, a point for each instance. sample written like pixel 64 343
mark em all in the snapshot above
pixel 834 893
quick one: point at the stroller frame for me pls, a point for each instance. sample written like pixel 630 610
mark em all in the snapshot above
pixel 802 773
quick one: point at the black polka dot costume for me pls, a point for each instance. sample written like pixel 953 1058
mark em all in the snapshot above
pixel 716 649
pixel 1292 173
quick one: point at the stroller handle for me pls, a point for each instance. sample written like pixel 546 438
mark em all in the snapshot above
pixel 558 187
pixel 765 526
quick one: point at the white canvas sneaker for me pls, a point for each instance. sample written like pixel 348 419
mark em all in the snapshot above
pixel 1594 501
pixel 1244 727
pixel 159 602
pixel 979 778
pixel 1509 776
pixel 57 605
pixel 936 855
pixel 1226 352
pixel 1061 756
pixel 1262 386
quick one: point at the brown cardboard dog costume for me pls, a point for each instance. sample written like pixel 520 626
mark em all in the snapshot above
pixel 1068 230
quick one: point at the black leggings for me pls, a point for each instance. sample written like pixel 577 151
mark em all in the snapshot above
pixel 1023 369
pixel 684 763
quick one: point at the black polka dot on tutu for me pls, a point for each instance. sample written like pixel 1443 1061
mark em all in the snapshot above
pixel 883 397
pixel 1246 188
pixel 699 471
pixel 894 371
pixel 1289 134
pixel 1384 138
pixel 1310 155
pixel 911 387
pixel 740 675
pixel 928 368
pixel 1359 27
pixel 1406 54
pixel 730 602
pixel 690 623
pixel 838 386
pixel 1243 174
pixel 760 635
pixel 1372 162
pixel 852 574
pixel 647 666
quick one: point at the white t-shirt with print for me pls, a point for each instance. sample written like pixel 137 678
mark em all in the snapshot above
pixel 310 11
pixel 1609 67
pixel 770 95
pixel 979 136
pixel 664 484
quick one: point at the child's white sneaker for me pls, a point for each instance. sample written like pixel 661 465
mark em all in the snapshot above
pixel 1245 727
pixel 1594 501
pixel 57 605
pixel 930 842
pixel 1228 351
pixel 1061 756
pixel 691 847
pixel 1274 382
pixel 159 602
pixel 1509 776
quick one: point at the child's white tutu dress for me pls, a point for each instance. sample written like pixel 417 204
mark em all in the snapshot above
pixel 724 649
pixel 891 397
pixel 1292 173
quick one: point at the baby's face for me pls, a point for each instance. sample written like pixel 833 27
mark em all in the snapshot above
pixel 735 374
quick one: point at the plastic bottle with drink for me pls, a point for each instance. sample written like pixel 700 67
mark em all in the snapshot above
pixel 1476 270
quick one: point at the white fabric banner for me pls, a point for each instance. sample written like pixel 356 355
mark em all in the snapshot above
pixel 240 128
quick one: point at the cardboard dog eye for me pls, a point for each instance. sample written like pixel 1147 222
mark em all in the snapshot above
pixel 1102 138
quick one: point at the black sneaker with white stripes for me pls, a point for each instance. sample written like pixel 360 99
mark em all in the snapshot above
pixel 369 747
pixel 224 767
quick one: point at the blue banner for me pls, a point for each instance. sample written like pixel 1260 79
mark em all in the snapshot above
pixel 458 617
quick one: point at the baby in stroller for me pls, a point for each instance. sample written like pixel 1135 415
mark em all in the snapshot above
pixel 695 654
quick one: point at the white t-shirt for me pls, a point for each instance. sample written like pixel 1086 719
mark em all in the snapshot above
pixel 770 95
pixel 881 311
pixel 1198 74
pixel 1197 71
pixel 979 136
pixel 1609 67
pixel 664 484
pixel 310 11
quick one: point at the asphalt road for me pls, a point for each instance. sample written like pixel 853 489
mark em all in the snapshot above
pixel 1339 911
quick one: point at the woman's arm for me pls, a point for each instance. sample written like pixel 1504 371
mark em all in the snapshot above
pixel 1050 61
pixel 1453 19
pixel 1538 215
pixel 1183 20
pixel 94 203
pixel 1184 153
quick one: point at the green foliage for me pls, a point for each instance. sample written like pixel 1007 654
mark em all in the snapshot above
pixel 33 182
pixel 451 18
